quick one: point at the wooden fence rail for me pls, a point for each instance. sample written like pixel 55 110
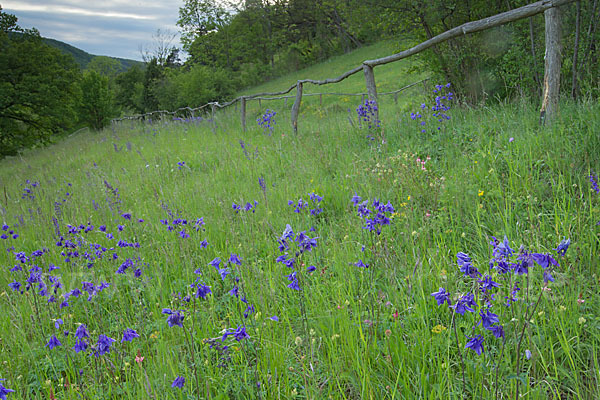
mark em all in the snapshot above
pixel 551 79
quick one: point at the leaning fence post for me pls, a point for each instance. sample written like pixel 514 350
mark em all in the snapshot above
pixel 296 106
pixel 371 88
pixel 243 108
pixel 552 66
pixel 214 123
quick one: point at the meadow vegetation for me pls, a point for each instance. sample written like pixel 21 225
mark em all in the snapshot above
pixel 162 260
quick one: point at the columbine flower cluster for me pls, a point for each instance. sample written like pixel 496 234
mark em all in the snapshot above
pixel 315 199
pixel 293 246
pixel 247 207
pixel 7 232
pixel 367 113
pixel 374 218
pixel 481 301
pixel 443 98
pixel 267 121
pixel 28 189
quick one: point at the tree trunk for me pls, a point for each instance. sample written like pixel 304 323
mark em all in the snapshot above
pixel 552 66
pixel 536 76
pixel 575 51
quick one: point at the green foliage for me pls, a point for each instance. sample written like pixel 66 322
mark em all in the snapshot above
pixel 96 106
pixel 152 75
pixel 193 88
pixel 37 86
pixel 130 88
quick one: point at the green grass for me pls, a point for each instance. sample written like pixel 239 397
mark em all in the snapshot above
pixel 352 332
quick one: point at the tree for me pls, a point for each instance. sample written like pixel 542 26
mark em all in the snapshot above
pixel 152 76
pixel 200 17
pixel 130 88
pixel 37 88
pixel 96 106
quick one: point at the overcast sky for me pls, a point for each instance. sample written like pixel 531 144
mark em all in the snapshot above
pixel 109 27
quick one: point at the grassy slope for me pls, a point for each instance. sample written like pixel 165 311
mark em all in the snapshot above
pixel 533 189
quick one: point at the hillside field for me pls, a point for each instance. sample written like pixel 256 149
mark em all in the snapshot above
pixel 354 260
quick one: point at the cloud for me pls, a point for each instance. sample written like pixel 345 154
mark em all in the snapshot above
pixel 112 27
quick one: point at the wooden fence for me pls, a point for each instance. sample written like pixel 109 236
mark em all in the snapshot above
pixel 551 78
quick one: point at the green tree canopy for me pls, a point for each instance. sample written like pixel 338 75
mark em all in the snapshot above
pixel 37 88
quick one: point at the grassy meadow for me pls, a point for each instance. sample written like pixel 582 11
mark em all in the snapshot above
pixel 134 228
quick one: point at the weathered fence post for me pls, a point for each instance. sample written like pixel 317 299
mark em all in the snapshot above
pixel 296 106
pixel 214 123
pixel 259 103
pixel 243 108
pixel 552 66
pixel 371 88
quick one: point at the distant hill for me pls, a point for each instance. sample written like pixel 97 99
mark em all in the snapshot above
pixel 82 58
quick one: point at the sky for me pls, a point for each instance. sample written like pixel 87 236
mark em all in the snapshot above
pixel 114 28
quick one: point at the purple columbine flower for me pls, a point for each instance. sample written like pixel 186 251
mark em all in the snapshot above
pixel 4 391
pixel 441 296
pixel 238 334
pixel 563 246
pixel 103 345
pixel 129 335
pixel 178 382
pixel 175 317
pixel 488 319
pixel 475 343
pixel 80 345
pixel 53 342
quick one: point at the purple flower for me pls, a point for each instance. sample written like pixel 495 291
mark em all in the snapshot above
pixel 464 304
pixel 544 260
pixel 103 345
pixel 129 335
pixel 274 318
pixel 53 342
pixel 3 390
pixel 175 317
pixel 441 296
pixel 487 284
pixel 80 345
pixel 476 344
pixel 361 264
pixel 234 259
pixel 15 285
pixel 202 290
pixel 178 382
pixel 127 216
pixel 563 246
pixel 238 334
pixel 488 319
pixel 497 330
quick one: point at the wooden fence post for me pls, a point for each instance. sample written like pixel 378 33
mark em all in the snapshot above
pixel 371 88
pixel 214 123
pixel 259 103
pixel 552 66
pixel 296 106
pixel 243 107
